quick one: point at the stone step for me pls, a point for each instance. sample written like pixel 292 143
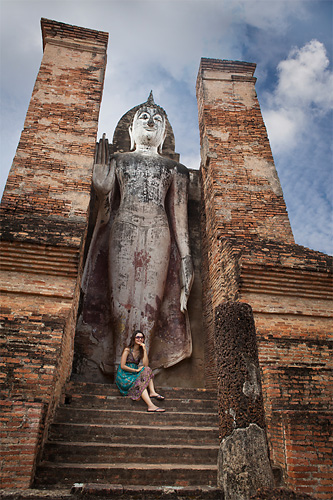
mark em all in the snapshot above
pixel 93 491
pixel 134 434
pixel 67 414
pixel 100 437
pixel 112 390
pixel 134 492
pixel 76 452
pixel 60 475
pixel 118 402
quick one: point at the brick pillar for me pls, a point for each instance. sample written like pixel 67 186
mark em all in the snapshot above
pixel 249 255
pixel 242 190
pixel 44 219
pixel 243 464
pixel 242 197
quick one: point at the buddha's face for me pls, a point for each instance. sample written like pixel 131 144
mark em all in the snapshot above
pixel 148 128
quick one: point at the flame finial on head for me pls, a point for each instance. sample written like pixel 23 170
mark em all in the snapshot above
pixel 150 100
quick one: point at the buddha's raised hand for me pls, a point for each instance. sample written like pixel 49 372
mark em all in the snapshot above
pixel 103 177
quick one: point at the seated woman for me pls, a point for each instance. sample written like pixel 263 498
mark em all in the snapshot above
pixel 132 380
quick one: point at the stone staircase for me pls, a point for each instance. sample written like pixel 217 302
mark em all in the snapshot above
pixel 102 442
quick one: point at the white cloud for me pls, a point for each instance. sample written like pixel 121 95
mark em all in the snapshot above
pixel 304 91
pixel 282 126
pixel 298 118
pixel 304 78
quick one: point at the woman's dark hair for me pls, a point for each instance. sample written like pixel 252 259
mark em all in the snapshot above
pixel 132 342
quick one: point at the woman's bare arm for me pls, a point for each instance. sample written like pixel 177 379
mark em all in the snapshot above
pixel 145 360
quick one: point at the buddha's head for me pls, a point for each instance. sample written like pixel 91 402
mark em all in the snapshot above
pixel 148 127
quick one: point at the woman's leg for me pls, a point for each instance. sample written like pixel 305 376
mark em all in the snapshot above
pixel 149 403
pixel 152 392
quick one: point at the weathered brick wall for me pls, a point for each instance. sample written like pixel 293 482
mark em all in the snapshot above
pixel 44 218
pixel 302 446
pixel 290 290
pixel 250 256
pixel 20 438
pixel 243 194
pixel 49 182
pixel 241 190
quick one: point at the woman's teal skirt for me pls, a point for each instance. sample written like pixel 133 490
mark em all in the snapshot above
pixel 133 384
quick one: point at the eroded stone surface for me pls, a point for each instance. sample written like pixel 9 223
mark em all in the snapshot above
pixel 243 464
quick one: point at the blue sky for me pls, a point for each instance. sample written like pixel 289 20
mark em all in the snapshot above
pixel 157 44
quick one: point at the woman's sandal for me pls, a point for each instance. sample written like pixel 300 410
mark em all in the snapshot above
pixel 158 397
pixel 158 410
